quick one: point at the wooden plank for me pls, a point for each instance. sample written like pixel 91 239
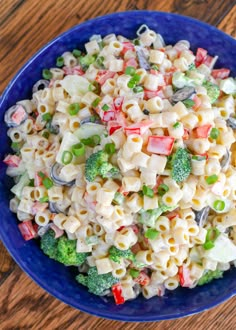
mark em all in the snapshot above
pixel 228 24
pixel 24 305
pixel 20 37
pixel 8 8
pixel 6 264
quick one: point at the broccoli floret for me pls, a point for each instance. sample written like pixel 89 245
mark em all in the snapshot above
pixel 61 249
pixel 149 217
pixel 213 91
pixel 49 244
pixel 97 164
pixel 209 276
pixel 67 254
pixel 96 283
pixel 180 165
pixel 107 170
pixel 93 163
pixel 116 254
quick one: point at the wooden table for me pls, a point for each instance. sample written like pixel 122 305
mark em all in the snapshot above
pixel 25 26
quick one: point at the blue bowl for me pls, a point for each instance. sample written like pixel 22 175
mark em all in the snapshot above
pixel 55 278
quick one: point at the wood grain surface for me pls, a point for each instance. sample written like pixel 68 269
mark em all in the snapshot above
pixel 25 26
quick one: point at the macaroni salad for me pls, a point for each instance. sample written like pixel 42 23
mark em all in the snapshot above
pixel 124 165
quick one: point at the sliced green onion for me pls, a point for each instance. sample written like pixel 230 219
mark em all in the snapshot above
pixel 87 142
pixel 94 118
pixel 162 189
pixel 138 89
pixel 46 134
pixel 136 42
pixel 118 198
pixel 73 109
pixel 176 125
pixel 92 141
pixel 42 175
pixel 136 77
pixel 188 103
pixel 60 61
pixel 130 70
pixel 199 158
pixel 131 83
pixel 191 67
pixel 105 107
pixel 155 67
pixel 110 148
pixel 208 245
pixel 78 149
pixel 76 52
pixel 95 102
pixel 99 61
pixel 48 183
pixel 96 139
pixel 134 272
pixel 212 234
pixel 15 146
pixel 219 205
pixel 148 191
pixel 44 199
pixel 91 88
pixel 31 183
pixel 94 87
pixel 214 134
pixel 47 116
pixel 47 74
pixel 151 233
pixel 66 157
pixel 86 60
pixel 211 179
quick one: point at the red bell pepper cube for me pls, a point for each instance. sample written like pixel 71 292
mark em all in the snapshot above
pixel 160 144
pixel 208 60
pixel 172 215
pixel 103 75
pixel 220 73
pixel 202 131
pixel 12 160
pixel 117 293
pixel 197 102
pixel 27 230
pixel 108 115
pixel 136 248
pixel 139 128
pixel 131 62
pixel 159 181
pixel 38 207
pixel 117 103
pixel 184 276
pixel 76 70
pixel 113 126
pixel 150 94
pixel 127 46
pixel 142 279
pixel 201 55
pixel 18 115
pixel 135 229
pixel 186 134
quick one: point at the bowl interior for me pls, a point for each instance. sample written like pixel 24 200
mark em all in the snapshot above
pixel 55 278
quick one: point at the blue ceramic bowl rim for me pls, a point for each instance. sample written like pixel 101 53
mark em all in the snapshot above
pixel 16 257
